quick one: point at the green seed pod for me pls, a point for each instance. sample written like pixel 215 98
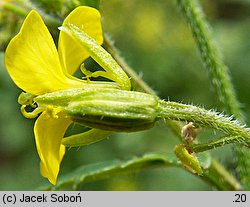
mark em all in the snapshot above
pixel 107 109
pixel 189 161
pixel 114 110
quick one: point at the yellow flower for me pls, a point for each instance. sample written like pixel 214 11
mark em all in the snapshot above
pixel 37 67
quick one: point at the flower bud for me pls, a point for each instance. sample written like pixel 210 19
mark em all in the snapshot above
pixel 189 160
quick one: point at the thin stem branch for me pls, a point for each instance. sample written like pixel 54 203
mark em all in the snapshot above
pixel 215 144
pixel 109 46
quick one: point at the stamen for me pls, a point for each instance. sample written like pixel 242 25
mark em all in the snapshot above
pixel 87 73
pixel 95 74
pixel 33 114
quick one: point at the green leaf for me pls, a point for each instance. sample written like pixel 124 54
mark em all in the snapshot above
pixel 107 169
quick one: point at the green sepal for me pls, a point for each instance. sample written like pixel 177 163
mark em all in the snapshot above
pixel 89 137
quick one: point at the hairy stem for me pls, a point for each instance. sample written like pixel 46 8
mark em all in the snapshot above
pixel 216 143
pixel 202 117
pixel 210 54
pixel 220 77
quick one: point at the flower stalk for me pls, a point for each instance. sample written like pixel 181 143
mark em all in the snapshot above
pixel 217 143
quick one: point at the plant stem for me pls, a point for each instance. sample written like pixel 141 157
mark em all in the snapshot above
pixel 210 55
pixel 15 9
pixel 214 144
pixel 109 46
pixel 220 77
pixel 176 128
pixel 221 178
pixel 23 12
pixel 202 117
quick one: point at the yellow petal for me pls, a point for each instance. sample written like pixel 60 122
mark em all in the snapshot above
pixel 32 60
pixel 72 54
pixel 49 132
pixel 44 169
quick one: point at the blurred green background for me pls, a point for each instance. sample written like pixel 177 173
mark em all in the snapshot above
pixel 155 40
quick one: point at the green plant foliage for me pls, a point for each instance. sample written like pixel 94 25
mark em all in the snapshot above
pixel 163 62
pixel 106 169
